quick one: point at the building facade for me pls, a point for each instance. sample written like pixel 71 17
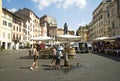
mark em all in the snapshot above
pixel 6 29
pixel 71 32
pixel 83 31
pixel 43 24
pixel 52 31
pixel 106 20
pixel 0 22
pixel 114 18
pixel 31 23
pixel 48 26
pixel 17 32
pixel 17 28
pixel 99 26
pixel 0 18
pixel 60 31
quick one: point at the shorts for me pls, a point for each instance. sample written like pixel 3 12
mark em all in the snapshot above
pixel 35 58
pixel 58 61
pixel 54 56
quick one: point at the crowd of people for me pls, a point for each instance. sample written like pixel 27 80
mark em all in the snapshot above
pixel 112 48
pixel 57 52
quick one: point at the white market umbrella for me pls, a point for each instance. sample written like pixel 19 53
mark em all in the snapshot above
pixel 34 38
pixel 101 38
pixel 45 38
pixel 67 37
pixel 41 38
pixel 114 38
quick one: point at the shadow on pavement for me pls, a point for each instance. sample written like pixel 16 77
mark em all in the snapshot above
pixel 115 58
pixel 63 69
pixel 24 67
pixel 48 67
pixel 25 57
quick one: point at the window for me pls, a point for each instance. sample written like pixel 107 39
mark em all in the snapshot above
pixel 53 32
pixel 112 12
pixel 113 24
pixel 13 35
pixel 19 29
pixel 9 25
pixel 14 28
pixel 17 37
pixel 4 23
pixel 8 36
pixel 3 34
pixel 20 37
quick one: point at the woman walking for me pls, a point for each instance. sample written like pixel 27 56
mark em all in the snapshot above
pixel 54 51
pixel 35 56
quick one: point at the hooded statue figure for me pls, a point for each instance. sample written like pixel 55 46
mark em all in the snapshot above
pixel 65 28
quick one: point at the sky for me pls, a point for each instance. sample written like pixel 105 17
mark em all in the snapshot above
pixel 73 12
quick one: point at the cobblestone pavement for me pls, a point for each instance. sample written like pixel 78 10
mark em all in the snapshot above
pixel 15 64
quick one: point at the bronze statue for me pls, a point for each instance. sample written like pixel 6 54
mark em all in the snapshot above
pixel 65 28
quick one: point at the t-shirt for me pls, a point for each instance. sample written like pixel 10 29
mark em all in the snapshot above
pixel 59 52
pixel 54 51
pixel 34 51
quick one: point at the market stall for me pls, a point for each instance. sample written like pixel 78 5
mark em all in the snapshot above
pixel 113 47
pixel 43 51
pixel 107 45
pixel 66 39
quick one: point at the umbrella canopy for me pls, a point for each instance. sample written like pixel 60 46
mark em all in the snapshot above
pixel 101 38
pixel 68 37
pixel 41 38
pixel 35 38
pixel 114 38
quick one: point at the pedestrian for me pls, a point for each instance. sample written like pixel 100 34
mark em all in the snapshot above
pixel 35 56
pixel 54 51
pixel 30 52
pixel 38 47
pixel 66 61
pixel 58 56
